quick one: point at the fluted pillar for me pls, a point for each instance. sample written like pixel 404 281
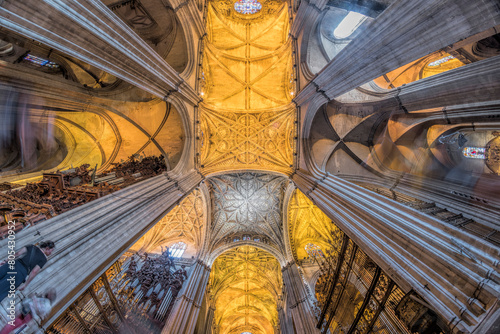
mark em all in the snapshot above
pixel 456 273
pixel 91 237
pixel 182 319
pixel 91 32
pixel 437 23
pixel 284 322
pixel 304 20
pixel 209 320
pixel 296 300
pixel 476 82
pixel 308 12
pixel 483 207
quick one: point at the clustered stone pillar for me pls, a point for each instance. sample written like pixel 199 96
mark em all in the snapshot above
pixel 365 58
pixel 182 319
pixel 474 83
pixel 456 273
pixel 89 31
pixel 209 320
pixel 91 237
pixel 285 326
pixel 296 300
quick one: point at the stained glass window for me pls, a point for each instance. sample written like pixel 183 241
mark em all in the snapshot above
pixel 177 249
pixel 256 239
pixel 441 61
pixel 246 237
pixel 247 6
pixel 474 152
pixel 314 251
pixel 40 61
pixel 236 239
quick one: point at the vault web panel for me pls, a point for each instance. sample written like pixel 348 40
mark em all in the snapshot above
pixel 247 202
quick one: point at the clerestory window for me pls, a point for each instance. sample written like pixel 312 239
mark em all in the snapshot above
pixel 177 249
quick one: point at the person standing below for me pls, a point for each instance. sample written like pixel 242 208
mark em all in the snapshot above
pixel 29 261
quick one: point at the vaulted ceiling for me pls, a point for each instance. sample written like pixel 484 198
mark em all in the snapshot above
pixel 245 129
pixel 247 82
pixel 247 202
pixel 245 284
pixel 185 223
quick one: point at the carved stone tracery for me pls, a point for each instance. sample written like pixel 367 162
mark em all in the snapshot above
pixel 184 222
pixel 247 202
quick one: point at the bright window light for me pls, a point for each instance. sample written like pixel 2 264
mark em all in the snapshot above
pixel 177 249
pixel 348 25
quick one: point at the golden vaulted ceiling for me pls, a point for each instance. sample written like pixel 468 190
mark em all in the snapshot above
pixel 246 122
pixel 245 284
pixel 184 222
pixel 245 128
pixel 307 224
pixel 247 81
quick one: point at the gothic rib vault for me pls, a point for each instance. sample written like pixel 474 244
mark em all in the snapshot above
pixel 268 122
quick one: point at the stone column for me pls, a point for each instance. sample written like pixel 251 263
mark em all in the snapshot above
pixel 385 44
pixel 482 207
pixel 182 319
pixel 474 83
pixel 191 20
pixel 296 300
pixel 304 20
pixel 209 320
pixel 91 237
pixel 285 326
pixel 456 273
pixel 91 32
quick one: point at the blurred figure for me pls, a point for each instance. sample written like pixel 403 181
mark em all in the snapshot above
pixel 29 261
pixel 33 310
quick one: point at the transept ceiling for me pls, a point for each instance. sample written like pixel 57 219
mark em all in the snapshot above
pixel 245 284
pixel 247 202
pixel 253 140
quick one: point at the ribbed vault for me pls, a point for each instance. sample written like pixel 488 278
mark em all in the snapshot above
pixel 184 223
pixel 247 202
pixel 307 224
pixel 245 283
pixel 247 81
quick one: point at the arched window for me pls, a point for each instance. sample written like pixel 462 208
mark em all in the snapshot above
pixel 441 61
pixel 177 249
pixel 474 152
pixel 314 251
pixel 246 333
pixel 348 25
pixel 247 6
pixel 40 61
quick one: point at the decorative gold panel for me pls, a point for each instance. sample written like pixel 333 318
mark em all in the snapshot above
pixel 245 283
pixel 262 141
pixel 184 222
pixel 308 224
